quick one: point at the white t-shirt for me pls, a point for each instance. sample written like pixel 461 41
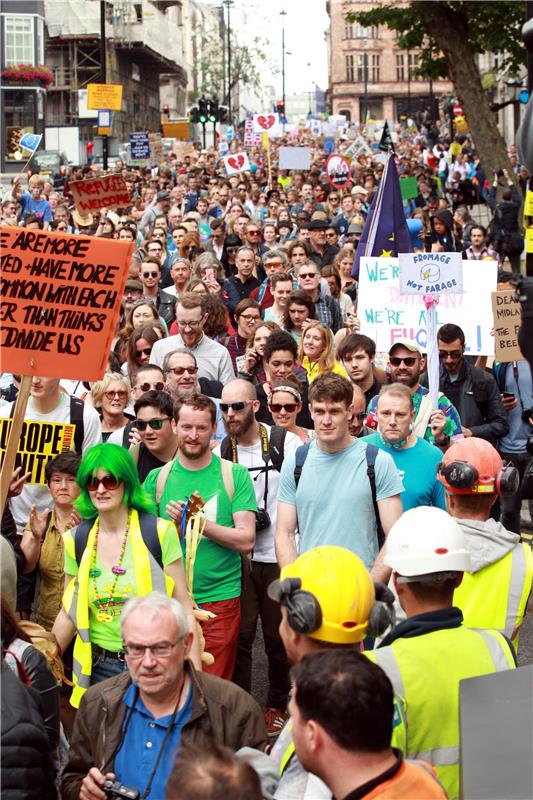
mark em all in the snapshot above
pixel 37 494
pixel 252 459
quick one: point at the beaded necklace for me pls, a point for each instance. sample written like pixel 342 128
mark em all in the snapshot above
pixel 103 614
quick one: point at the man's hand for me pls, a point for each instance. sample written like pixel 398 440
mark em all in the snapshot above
pixel 91 785
pixel 437 422
pixel 17 482
pixel 508 402
pixel 467 432
pixel 134 437
pixel 175 511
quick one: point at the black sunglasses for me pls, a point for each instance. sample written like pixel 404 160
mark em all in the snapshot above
pixel 155 424
pixel 289 407
pixel 240 406
pixel 150 274
pixel 409 361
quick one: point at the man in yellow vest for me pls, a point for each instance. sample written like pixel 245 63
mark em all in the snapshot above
pixel 494 591
pixel 431 652
pixel 327 601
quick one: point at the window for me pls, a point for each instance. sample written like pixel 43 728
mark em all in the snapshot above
pixel 413 62
pixel 349 69
pixel 19 41
pixel 374 69
pixel 348 31
pixel 346 113
pixel 366 33
pixel 361 68
pixel 40 40
pixel 400 71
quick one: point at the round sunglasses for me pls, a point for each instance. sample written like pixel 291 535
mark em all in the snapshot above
pixel 109 482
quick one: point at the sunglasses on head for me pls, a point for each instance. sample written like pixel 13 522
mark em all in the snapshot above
pixel 122 395
pixel 146 387
pixel 179 371
pixel 150 274
pixel 409 361
pixel 155 424
pixel 109 482
pixel 239 406
pixel 289 407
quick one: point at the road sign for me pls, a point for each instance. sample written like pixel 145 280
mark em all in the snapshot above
pixel 104 95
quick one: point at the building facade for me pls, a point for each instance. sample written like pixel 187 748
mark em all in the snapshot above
pixel 369 75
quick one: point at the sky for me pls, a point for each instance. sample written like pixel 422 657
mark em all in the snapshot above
pixel 305 24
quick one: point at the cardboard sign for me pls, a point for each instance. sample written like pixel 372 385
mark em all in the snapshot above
pixel 139 145
pixel 267 123
pixel 359 147
pixel 329 145
pixel 507 319
pixel 156 147
pixel 38 443
pixel 248 132
pixel 338 171
pixel 294 158
pixel 315 126
pixel 104 95
pixel 184 149
pixel 96 193
pixel 236 162
pixel 223 149
pixel 59 301
pixel 430 273
pixel 386 315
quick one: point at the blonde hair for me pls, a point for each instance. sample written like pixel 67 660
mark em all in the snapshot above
pixel 100 387
pixel 326 360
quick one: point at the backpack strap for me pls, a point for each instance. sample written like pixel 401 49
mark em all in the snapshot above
pixel 164 472
pixel 299 461
pixel 226 468
pixel 371 455
pixel 276 446
pixel 148 525
pixel 225 448
pixel 135 451
pixel 80 534
pixel 76 418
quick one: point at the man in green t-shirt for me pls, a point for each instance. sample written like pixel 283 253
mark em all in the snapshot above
pixel 229 531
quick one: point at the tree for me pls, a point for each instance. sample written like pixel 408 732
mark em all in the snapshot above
pixel 449 34
pixel 211 64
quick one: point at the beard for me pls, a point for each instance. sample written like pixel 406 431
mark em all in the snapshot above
pixel 193 452
pixel 408 380
pixel 238 426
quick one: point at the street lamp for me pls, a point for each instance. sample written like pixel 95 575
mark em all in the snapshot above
pixel 228 4
pixel 283 14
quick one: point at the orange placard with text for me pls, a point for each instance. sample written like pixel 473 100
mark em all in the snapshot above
pixel 60 296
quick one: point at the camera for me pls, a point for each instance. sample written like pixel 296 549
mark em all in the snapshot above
pixel 262 519
pixel 115 790
pixel 527 414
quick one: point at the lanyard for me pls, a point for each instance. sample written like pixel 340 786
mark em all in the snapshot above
pixel 265 454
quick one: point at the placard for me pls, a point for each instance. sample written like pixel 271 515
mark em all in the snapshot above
pixel 60 296
pixel 104 95
pixel 507 320
pixel 294 158
pixel 409 188
pixel 267 123
pixel 38 443
pixel 236 162
pixel 93 194
pixel 430 273
pixel 140 145
pixel 184 149
pixel 338 171
pixel 386 315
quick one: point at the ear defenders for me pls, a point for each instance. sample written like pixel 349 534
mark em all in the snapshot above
pixel 382 617
pixel 465 478
pixel 304 614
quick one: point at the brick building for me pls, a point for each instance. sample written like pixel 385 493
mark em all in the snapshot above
pixel 368 73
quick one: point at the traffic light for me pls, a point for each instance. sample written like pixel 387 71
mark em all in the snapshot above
pixel 165 109
pixel 194 116
pixel 212 110
pixel 202 111
pixel 223 114
pixel 280 108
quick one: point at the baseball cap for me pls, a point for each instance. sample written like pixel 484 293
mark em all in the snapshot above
pixel 409 344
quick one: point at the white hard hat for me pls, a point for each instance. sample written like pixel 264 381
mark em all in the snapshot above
pixel 426 540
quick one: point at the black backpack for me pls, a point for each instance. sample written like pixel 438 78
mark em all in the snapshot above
pixel 276 447
pixel 148 525
pixel 371 454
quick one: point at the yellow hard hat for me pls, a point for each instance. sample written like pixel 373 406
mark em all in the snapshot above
pixel 328 594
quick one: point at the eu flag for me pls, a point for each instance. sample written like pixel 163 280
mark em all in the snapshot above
pixel 30 141
pixel 385 232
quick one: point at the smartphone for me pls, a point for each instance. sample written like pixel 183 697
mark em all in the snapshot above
pixel 508 396
pixel 210 275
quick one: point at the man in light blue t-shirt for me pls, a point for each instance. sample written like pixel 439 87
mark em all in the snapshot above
pixel 415 458
pixel 333 501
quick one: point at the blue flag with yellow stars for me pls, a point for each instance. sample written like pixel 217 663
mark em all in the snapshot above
pixel 385 232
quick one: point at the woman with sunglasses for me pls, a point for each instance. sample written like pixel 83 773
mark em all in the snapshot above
pixel 316 354
pixel 107 561
pixel 140 346
pixel 285 403
pixel 110 396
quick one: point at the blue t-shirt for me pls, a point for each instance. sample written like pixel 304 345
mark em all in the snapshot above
pixel 140 747
pixel 519 431
pixel 334 499
pixel 417 466
pixel 38 208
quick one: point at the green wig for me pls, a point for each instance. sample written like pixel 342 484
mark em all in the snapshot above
pixel 119 463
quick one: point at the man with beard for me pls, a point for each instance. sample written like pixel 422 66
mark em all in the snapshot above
pixel 261 449
pixel 440 426
pixel 229 509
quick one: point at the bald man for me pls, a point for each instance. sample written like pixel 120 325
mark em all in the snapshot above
pixel 261 449
pixel 357 427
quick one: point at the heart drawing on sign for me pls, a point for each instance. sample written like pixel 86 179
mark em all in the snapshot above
pixel 266 122
pixel 236 162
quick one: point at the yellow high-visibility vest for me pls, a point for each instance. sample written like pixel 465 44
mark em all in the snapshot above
pixel 426 672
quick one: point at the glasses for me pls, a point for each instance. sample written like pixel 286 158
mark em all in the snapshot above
pixel 250 317
pixel 308 274
pixel 109 482
pixel 179 371
pixel 453 354
pixel 150 274
pixel 160 650
pixel 239 406
pixel 331 235
pixel 253 233
pixel 155 424
pixel 122 394
pixel 144 352
pixel 146 387
pixel 409 361
pixel 193 323
pixel 271 264
pixel 288 407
